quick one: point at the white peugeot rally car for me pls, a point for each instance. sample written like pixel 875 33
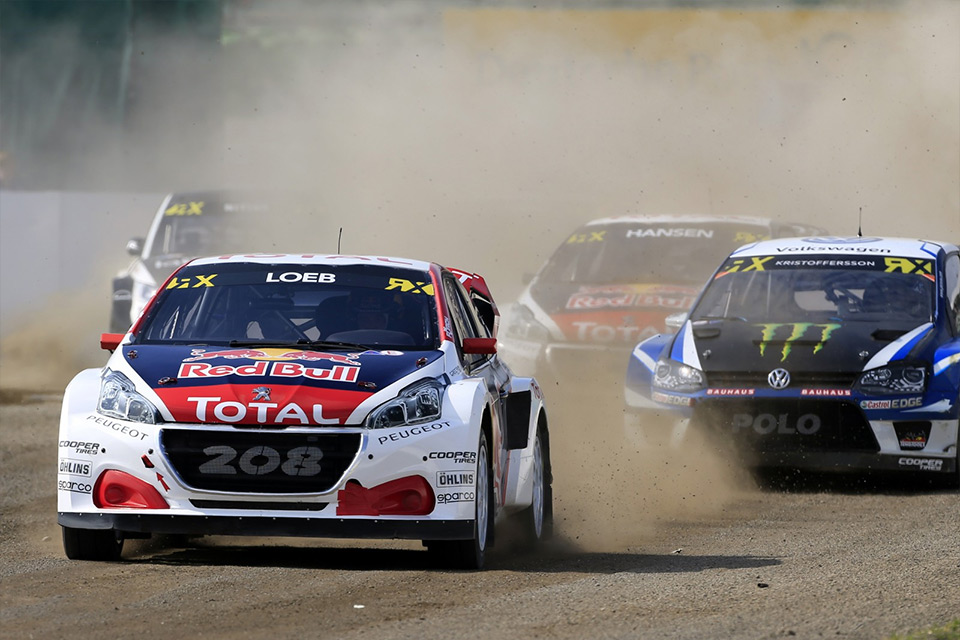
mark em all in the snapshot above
pixel 301 395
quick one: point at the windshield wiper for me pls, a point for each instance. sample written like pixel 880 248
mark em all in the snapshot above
pixel 737 318
pixel 887 335
pixel 313 345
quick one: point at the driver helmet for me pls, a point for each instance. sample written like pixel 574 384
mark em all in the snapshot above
pixel 372 308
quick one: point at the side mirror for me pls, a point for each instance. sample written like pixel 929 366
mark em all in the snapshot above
pixel 480 345
pixel 110 341
pixel 135 246
pixel 675 320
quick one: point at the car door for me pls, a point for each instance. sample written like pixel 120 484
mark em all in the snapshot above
pixel 952 281
pixel 485 366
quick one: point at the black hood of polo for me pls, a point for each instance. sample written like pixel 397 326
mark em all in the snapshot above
pixel 830 347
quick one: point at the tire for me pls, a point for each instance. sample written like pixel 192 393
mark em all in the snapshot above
pixel 91 544
pixel 537 520
pixel 952 481
pixel 470 554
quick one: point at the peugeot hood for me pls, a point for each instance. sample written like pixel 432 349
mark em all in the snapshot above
pixel 268 386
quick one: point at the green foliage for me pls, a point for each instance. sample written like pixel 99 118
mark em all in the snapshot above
pixel 949 631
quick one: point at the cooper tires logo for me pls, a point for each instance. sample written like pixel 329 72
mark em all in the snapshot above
pixel 923 464
pixel 456 457
pixel 779 378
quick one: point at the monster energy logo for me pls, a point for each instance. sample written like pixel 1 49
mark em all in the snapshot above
pixel 799 329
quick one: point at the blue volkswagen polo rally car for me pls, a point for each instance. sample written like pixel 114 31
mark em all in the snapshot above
pixel 818 353
pixel 320 396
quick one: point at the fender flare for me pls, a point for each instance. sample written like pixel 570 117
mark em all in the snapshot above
pixel 524 409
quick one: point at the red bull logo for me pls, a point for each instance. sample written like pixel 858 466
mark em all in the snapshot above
pixel 274 354
pixel 337 373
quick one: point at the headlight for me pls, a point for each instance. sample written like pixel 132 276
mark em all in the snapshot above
pixel 420 402
pixel 523 326
pixel 119 400
pixel 894 379
pixel 675 376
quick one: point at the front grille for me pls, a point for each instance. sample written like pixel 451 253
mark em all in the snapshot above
pixel 733 379
pixel 260 461
pixel 788 425
pixel 259 506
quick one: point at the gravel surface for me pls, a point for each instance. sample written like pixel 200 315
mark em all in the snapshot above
pixel 654 545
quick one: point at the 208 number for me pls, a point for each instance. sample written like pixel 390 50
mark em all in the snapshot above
pixel 261 460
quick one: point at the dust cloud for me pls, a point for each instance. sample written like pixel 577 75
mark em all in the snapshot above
pixel 478 138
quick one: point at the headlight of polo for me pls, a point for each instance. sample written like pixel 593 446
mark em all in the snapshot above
pixel 119 400
pixel 894 379
pixel 675 376
pixel 523 326
pixel 420 402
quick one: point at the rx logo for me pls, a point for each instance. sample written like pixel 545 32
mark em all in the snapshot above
pixel 261 393
pixel 185 209
pixel 779 378
pixel 741 265
pixel 580 238
pixel 187 283
pixel 406 286
pixel 909 265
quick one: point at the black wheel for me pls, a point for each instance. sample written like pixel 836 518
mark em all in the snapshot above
pixel 469 554
pixel 537 520
pixel 91 544
pixel 952 480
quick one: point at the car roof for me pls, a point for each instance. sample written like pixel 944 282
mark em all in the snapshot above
pixel 314 259
pixel 679 218
pixel 853 245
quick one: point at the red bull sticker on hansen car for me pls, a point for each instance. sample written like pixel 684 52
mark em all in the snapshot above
pixel 673 298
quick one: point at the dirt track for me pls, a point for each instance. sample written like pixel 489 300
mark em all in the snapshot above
pixel 533 140
pixel 654 546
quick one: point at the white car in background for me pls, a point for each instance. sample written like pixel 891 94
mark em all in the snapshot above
pixel 185 226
